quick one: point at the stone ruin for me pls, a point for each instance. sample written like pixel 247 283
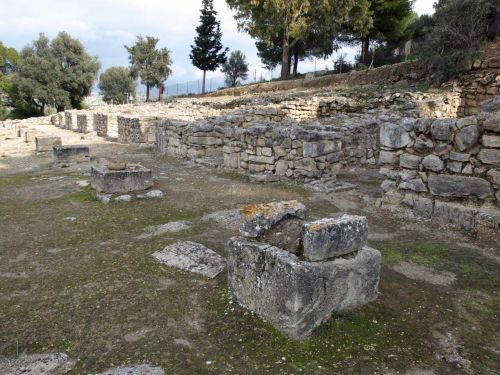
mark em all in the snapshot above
pixel 65 155
pixel 326 269
pixel 120 178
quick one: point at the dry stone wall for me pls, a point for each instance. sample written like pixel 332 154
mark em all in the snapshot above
pixel 446 170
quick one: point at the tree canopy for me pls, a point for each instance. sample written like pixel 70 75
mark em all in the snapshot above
pixel 151 65
pixel 116 85
pixel 293 20
pixel 207 53
pixel 235 69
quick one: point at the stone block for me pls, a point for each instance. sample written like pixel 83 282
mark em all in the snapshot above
pixel 332 237
pixel 454 166
pixel 136 178
pixel 467 137
pixel 297 296
pixel 455 214
pixel 409 161
pixel 259 218
pixel 442 129
pixel 415 184
pixel 393 136
pixel 459 186
pixel 492 124
pixel 491 105
pixel 433 163
pixel 44 144
pixel 491 141
pixel 489 156
pixel 459 156
pixel 71 154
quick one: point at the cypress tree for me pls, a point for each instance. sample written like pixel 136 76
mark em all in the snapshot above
pixel 207 53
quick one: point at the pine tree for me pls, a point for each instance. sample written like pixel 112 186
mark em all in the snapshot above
pixel 207 53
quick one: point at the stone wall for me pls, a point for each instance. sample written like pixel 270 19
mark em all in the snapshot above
pixel 100 124
pixel 81 123
pixel 136 129
pixel 446 170
pixel 268 150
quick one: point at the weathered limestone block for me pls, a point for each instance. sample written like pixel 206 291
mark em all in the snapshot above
pixel 409 161
pixel 259 218
pixel 459 186
pixel 393 136
pixel 287 292
pixel 455 214
pixel 441 129
pixel 315 149
pixel 459 156
pixel 494 176
pixel 491 141
pixel 467 137
pixel 332 237
pixel 44 144
pixel 491 105
pixel 415 184
pixel 489 156
pixel 388 157
pixel 81 123
pixel 433 163
pixel 492 123
pixel 71 154
pixel 105 180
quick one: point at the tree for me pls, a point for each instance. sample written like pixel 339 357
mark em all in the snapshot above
pixel 235 69
pixel 8 62
pixel 293 20
pixel 454 41
pixel 116 85
pixel 149 64
pixel 207 53
pixel 39 77
pixel 78 69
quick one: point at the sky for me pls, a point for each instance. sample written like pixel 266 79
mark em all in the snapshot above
pixel 104 26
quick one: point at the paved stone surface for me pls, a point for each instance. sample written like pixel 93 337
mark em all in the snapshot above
pixel 417 272
pixel 193 257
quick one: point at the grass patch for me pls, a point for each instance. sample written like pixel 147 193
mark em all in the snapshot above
pixel 426 253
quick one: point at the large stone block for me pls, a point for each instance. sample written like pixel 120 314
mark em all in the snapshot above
pixel 467 137
pixel 71 154
pixel 459 186
pixel 441 129
pixel 455 214
pixel 136 178
pixel 331 237
pixel 294 295
pixel 489 156
pixel 491 105
pixel 393 135
pixel 44 144
pixel 259 218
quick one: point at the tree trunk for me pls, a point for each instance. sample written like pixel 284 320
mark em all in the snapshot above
pixel 42 109
pixel 285 57
pixel 159 93
pixel 295 61
pixel 365 50
pixel 147 93
pixel 203 85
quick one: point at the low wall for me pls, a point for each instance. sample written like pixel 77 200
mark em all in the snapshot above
pixel 446 170
pixel 295 152
pixel 136 130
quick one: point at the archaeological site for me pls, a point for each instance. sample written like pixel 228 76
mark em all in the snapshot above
pixel 330 224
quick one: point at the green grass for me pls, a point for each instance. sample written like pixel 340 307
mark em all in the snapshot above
pixel 425 253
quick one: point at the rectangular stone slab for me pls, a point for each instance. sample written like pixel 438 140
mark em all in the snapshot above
pixel 44 144
pixel 193 257
pixel 333 237
pixel 459 186
pixel 104 180
pixel 297 296
pixel 69 154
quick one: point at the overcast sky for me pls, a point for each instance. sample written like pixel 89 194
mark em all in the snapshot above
pixel 104 26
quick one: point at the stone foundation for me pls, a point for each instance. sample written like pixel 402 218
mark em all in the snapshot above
pixel 337 271
pixel 65 155
pixel 136 130
pixel 136 178
pixel 44 144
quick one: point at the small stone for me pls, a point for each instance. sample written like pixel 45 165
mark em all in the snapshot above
pixel 409 161
pixel 491 141
pixel 467 137
pixel 459 156
pixel 414 185
pixel 491 105
pixel 489 156
pixel 454 166
pixel 154 194
pixel 123 198
pixel 433 163
pixel 441 129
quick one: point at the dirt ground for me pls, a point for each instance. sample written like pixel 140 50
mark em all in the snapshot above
pixel 75 277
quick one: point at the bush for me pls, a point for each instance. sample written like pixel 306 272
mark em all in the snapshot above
pixel 454 41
